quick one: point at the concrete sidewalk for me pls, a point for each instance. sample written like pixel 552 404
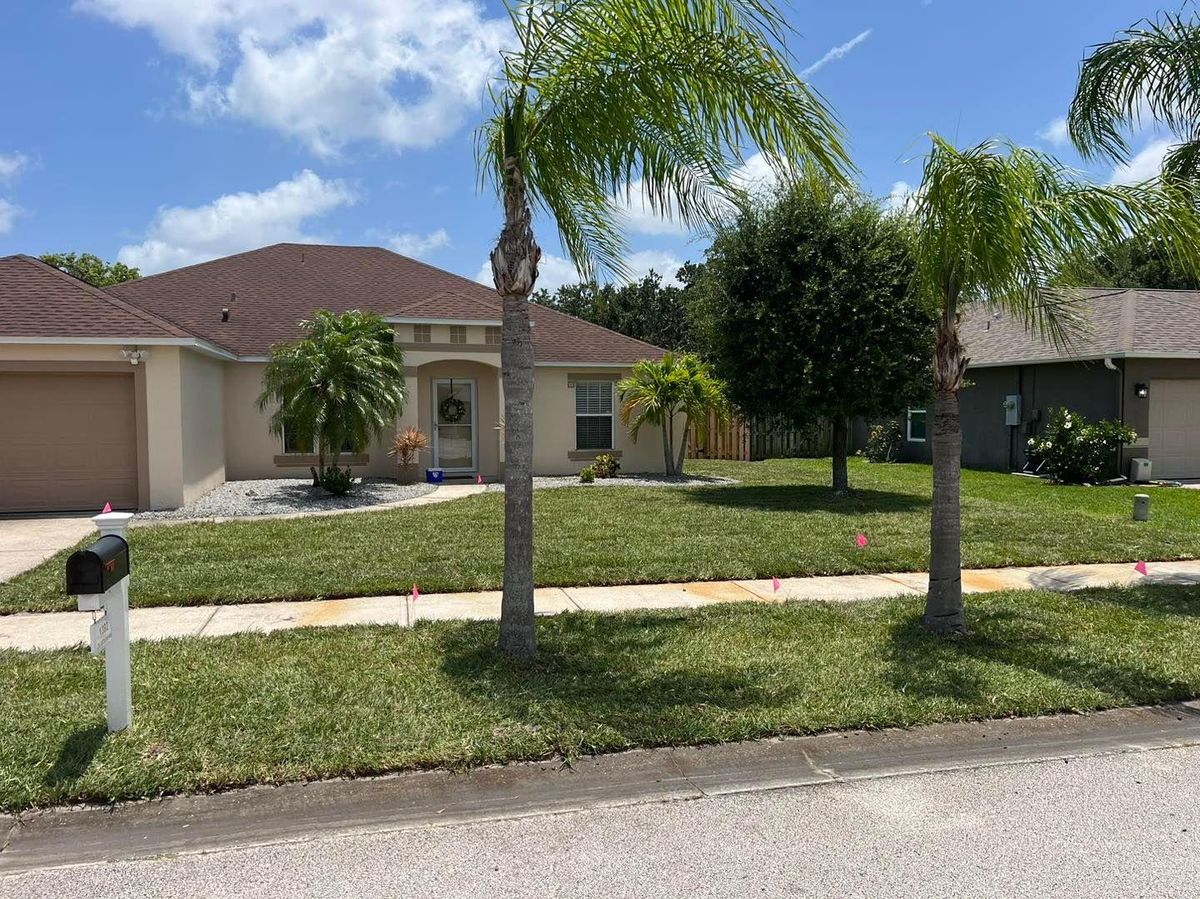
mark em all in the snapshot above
pixel 58 630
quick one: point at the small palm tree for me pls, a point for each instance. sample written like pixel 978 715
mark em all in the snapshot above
pixel 604 98
pixel 994 223
pixel 658 393
pixel 1150 71
pixel 339 386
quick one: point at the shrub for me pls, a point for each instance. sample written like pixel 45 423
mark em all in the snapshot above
pixel 1077 451
pixel 605 466
pixel 884 441
pixel 336 480
pixel 587 475
pixel 408 444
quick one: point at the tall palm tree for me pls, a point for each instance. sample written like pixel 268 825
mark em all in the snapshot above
pixel 657 393
pixel 994 222
pixel 1149 71
pixel 601 99
pixel 340 385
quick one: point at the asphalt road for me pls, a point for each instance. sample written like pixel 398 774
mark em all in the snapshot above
pixel 1122 825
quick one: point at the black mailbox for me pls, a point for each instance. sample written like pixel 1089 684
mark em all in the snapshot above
pixel 99 567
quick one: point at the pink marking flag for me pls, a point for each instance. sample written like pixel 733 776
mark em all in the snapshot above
pixel 861 540
pixel 775 584
pixel 1140 568
pixel 107 508
pixel 416 594
pixel 478 479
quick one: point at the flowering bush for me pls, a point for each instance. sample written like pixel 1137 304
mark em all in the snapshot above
pixel 1078 451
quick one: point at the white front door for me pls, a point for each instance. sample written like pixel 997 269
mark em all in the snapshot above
pixel 454 419
pixel 1175 428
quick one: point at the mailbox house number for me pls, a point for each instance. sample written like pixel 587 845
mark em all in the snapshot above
pixel 101 633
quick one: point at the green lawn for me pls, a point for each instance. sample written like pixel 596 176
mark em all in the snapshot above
pixel 212 713
pixel 780 520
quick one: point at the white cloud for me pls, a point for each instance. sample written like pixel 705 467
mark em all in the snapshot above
pixel 555 271
pixel 328 72
pixel 638 216
pixel 836 53
pixel 8 215
pixel 235 222
pixel 1055 133
pixel 11 164
pixel 1145 165
pixel 900 197
pixel 418 245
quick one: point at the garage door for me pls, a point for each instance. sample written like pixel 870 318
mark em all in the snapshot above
pixel 1175 428
pixel 69 442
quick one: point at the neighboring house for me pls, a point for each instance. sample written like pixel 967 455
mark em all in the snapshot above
pixel 1138 361
pixel 144 394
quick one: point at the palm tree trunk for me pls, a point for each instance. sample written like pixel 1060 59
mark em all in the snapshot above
pixel 944 612
pixel 841 439
pixel 687 424
pixel 668 450
pixel 514 269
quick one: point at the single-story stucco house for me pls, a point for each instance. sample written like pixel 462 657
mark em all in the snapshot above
pixel 1137 361
pixel 144 394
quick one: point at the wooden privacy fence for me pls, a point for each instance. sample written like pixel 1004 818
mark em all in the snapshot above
pixel 742 440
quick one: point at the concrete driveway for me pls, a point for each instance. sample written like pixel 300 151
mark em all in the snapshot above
pixel 27 542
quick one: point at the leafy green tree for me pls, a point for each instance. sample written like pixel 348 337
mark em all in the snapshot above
pixel 808 312
pixel 647 309
pixel 1149 71
pixel 661 393
pixel 1137 261
pixel 339 386
pixel 92 269
pixel 593 98
pixel 993 223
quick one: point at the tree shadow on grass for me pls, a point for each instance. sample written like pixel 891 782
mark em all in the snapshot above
pixel 1006 647
pixel 808 498
pixel 618 671
pixel 1163 595
pixel 76 754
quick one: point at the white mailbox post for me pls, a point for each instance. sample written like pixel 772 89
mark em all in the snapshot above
pixel 99 578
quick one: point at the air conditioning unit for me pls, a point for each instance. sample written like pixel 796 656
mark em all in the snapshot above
pixel 1139 470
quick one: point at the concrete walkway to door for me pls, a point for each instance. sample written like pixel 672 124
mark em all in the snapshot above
pixel 28 542
pixel 59 630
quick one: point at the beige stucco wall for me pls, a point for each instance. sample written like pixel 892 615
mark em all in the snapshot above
pixel 202 416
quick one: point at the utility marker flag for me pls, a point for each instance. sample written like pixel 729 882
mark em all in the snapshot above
pixel 478 479
pixel 775 584
pixel 861 540
pixel 107 508
pixel 416 594
pixel 1140 568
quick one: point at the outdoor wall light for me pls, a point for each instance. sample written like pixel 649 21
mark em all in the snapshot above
pixel 1141 390
pixel 134 354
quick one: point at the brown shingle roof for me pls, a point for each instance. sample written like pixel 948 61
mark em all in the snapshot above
pixel 37 300
pixel 1117 321
pixel 271 290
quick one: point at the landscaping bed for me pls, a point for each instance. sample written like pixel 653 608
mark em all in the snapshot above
pixel 781 520
pixel 286 496
pixel 218 712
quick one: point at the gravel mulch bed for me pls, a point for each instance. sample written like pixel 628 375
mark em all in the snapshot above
pixel 623 480
pixel 282 496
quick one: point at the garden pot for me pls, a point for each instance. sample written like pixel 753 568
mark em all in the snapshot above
pixel 407 474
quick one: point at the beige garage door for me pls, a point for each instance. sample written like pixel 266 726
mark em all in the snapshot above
pixel 1175 428
pixel 69 442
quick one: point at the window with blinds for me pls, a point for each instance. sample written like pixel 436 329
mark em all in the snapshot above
pixel 458 333
pixel 593 415
pixel 422 333
pixel 494 335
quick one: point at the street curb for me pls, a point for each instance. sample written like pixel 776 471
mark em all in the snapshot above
pixel 296 812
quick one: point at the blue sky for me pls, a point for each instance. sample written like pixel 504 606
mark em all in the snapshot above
pixel 165 132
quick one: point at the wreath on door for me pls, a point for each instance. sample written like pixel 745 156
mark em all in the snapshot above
pixel 452 410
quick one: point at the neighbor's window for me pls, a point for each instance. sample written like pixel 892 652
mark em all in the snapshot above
pixel 917 424
pixel 422 333
pixel 303 443
pixel 458 333
pixel 593 415
pixel 494 335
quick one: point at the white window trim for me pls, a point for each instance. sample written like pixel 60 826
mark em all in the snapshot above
pixel 908 422
pixel 612 426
